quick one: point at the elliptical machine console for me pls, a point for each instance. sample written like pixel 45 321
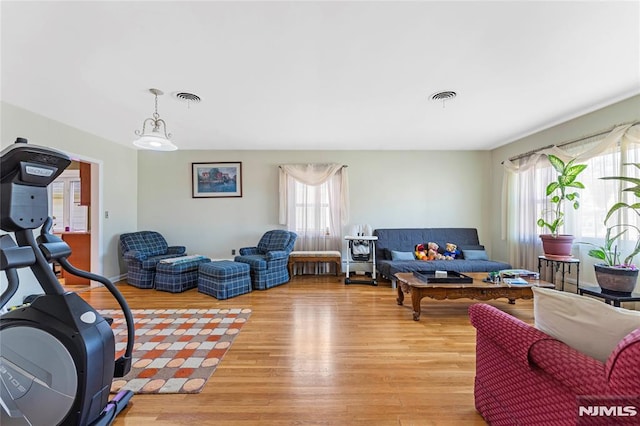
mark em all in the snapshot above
pixel 57 354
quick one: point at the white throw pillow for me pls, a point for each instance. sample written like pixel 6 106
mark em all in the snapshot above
pixel 586 324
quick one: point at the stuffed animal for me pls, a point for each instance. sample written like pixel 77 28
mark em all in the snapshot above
pixel 432 252
pixel 451 251
pixel 420 253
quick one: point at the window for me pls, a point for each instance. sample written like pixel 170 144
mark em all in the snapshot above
pixel 314 204
pixel 64 199
pixel 312 209
pixel 599 194
pixel 525 200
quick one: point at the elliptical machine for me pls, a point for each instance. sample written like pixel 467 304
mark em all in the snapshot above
pixel 57 354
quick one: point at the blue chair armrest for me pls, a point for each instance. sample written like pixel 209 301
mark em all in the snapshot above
pixel 176 250
pixel 247 251
pixel 277 254
pixel 134 255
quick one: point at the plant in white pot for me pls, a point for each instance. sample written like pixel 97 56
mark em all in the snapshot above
pixel 613 274
pixel 559 192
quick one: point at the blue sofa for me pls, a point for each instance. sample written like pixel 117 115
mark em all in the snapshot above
pixel 394 245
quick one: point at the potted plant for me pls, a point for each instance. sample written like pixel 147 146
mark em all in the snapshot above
pixel 612 274
pixel 560 191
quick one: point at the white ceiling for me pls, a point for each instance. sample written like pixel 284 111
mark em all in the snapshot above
pixel 320 75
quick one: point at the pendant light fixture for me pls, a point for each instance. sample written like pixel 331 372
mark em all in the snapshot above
pixel 156 138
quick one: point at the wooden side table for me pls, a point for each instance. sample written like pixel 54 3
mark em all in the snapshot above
pixel 610 298
pixel 555 265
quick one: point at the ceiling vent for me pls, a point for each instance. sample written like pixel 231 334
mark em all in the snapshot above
pixel 189 98
pixel 446 95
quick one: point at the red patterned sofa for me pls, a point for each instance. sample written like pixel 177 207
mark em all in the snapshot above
pixel 526 377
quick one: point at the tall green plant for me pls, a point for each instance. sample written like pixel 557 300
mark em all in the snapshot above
pixel 635 190
pixel 613 258
pixel 561 191
pixel 608 251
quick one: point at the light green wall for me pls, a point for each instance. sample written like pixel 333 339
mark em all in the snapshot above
pixel 117 166
pixel 597 121
pixel 387 189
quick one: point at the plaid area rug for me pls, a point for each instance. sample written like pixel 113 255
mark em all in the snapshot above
pixel 176 350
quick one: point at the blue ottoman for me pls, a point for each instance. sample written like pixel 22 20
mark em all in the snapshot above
pixel 178 274
pixel 224 279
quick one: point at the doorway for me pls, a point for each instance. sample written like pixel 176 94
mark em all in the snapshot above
pixel 72 209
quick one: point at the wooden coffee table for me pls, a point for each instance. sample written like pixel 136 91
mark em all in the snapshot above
pixel 478 290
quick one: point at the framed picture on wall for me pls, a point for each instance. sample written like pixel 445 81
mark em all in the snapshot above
pixel 216 180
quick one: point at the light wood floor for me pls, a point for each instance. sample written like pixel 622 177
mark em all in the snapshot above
pixel 316 351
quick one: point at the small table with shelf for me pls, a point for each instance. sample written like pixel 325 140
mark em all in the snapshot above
pixel 610 298
pixel 555 265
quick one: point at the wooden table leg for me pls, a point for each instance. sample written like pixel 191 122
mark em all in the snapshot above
pixel 290 266
pixel 416 296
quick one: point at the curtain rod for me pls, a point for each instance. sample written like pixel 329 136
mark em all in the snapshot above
pixel 563 144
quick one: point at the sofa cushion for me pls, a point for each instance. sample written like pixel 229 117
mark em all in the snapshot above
pixel 389 268
pixel 471 247
pixel 475 255
pixel 402 255
pixel 151 262
pixel 588 325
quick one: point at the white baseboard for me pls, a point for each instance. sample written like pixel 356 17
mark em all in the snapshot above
pixel 112 279
pixel 117 278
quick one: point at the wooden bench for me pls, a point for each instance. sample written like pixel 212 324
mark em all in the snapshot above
pixel 315 257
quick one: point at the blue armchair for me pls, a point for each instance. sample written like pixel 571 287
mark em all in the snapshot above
pixel 141 252
pixel 268 260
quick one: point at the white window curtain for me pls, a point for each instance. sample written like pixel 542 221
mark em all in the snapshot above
pixel 523 198
pixel 314 203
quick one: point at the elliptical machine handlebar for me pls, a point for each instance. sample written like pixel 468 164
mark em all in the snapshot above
pixel 56 249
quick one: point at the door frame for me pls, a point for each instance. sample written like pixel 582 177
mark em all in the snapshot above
pixel 95 218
